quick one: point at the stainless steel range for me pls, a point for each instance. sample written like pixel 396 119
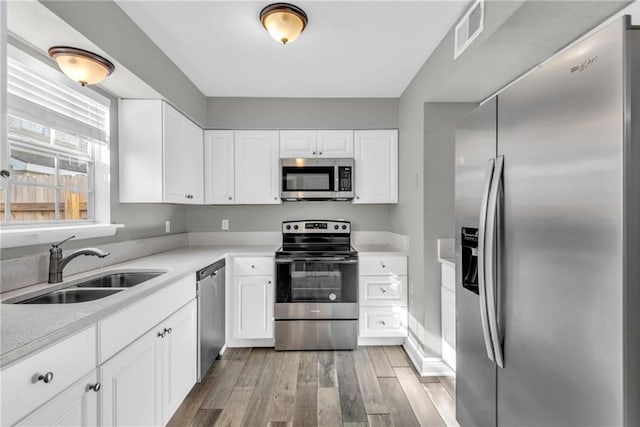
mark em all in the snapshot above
pixel 316 287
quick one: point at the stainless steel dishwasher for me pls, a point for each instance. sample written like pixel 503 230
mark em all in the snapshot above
pixel 211 315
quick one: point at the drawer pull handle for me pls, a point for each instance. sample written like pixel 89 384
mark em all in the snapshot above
pixel 383 290
pixel 382 322
pixel 47 378
pixel 95 387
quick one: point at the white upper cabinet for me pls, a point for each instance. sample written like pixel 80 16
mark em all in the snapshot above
pixel 257 167
pixel 376 166
pixel 335 143
pixel 183 166
pixel 316 143
pixel 160 154
pixel 298 143
pixel 219 174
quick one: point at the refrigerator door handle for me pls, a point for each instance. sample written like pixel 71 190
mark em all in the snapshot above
pixel 482 233
pixel 490 266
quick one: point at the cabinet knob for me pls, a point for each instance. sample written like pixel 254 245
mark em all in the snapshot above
pixel 47 378
pixel 167 330
pixel 95 387
pixel 382 322
pixel 383 290
pixel 275 197
pixel 162 334
pixel 230 198
pixel 320 153
pixel 269 282
pixel 253 266
pixel 313 152
pixel 357 197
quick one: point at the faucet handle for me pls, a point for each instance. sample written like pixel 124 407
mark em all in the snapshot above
pixel 55 245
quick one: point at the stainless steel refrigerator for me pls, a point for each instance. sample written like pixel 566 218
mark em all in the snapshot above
pixel 547 243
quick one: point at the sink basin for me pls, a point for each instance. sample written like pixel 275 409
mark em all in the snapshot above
pixel 67 296
pixel 119 280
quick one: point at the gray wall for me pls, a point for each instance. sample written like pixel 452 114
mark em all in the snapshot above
pixel 294 113
pixel 106 25
pixel 517 35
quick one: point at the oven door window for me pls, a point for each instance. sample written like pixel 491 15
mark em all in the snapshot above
pixel 317 282
pixel 307 179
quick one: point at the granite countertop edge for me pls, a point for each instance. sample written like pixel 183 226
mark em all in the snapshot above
pixel 22 334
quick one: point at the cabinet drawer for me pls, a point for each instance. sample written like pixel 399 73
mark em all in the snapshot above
pixel 68 361
pixel 383 290
pixel 122 328
pixel 383 322
pixel 383 265
pixel 253 266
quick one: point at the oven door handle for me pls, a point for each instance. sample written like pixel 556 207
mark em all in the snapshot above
pixel 335 260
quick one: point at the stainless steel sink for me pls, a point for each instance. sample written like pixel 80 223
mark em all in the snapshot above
pixel 119 279
pixel 72 295
pixel 90 288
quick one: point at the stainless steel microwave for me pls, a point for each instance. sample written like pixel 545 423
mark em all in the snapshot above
pixel 316 179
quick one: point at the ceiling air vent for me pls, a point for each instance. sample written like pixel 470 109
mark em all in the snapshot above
pixel 469 27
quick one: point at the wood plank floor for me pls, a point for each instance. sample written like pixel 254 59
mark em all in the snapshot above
pixel 371 386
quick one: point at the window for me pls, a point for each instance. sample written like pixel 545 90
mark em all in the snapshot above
pixel 57 133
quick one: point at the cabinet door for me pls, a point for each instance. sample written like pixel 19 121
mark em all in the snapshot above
pixel 448 309
pixel 257 167
pixel 335 143
pixel 77 406
pixel 179 358
pixel 253 306
pixel 376 166
pixel 298 143
pixel 218 167
pixel 183 165
pixel 131 384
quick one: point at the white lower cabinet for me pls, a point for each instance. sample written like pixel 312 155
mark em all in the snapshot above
pixel 146 382
pixel 131 384
pixel 179 358
pixel 76 406
pixel 383 298
pixel 448 313
pixel 252 297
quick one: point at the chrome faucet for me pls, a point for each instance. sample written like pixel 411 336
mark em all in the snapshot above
pixel 57 262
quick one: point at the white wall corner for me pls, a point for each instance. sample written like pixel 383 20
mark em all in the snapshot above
pixel 426 366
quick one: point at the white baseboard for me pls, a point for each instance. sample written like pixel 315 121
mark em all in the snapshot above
pixel 380 341
pixel 426 366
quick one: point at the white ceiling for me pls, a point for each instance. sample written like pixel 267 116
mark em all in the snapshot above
pixel 349 48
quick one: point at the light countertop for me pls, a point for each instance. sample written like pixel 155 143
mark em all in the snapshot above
pixel 28 328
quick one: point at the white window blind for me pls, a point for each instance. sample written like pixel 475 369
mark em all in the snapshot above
pixel 36 93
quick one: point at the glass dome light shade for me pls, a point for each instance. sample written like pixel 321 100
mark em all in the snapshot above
pixel 284 22
pixel 80 65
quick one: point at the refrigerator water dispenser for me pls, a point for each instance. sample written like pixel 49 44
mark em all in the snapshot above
pixel 469 241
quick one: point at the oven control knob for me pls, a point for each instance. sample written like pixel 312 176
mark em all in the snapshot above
pixel 288 227
pixel 295 227
pixel 332 296
pixel 336 226
pixel 344 227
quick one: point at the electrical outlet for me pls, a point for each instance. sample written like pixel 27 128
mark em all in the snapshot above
pixel 225 224
pixel 167 226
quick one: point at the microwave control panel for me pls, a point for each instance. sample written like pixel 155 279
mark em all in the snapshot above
pixel 344 178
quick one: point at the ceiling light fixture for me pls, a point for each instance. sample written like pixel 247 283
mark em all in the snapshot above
pixel 80 65
pixel 283 21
